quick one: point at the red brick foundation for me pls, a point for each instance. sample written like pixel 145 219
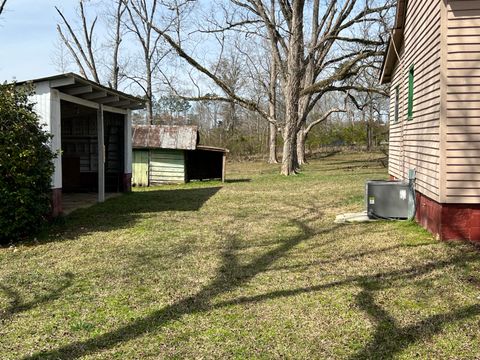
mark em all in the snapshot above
pixel 127 182
pixel 449 221
pixel 56 202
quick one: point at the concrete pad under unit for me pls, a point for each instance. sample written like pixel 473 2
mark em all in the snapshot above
pixel 353 218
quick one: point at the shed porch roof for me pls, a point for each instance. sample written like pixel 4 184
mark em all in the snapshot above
pixel 77 86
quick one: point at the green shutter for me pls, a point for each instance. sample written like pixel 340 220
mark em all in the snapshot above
pixel 410 93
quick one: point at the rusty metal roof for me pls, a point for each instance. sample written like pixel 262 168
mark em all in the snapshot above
pixel 164 137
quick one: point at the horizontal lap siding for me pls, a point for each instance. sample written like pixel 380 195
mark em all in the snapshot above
pixel 167 166
pixel 140 168
pixel 463 102
pixel 415 143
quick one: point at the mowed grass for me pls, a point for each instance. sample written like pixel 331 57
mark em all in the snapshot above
pixel 253 268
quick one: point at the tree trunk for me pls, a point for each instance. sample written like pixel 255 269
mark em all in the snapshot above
pixel 289 158
pixel 292 90
pixel 272 144
pixel 149 94
pixel 301 138
pixel 272 113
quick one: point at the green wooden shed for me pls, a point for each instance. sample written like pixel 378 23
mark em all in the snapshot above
pixel 171 154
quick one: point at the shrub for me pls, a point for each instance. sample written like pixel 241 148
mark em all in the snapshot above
pixel 26 166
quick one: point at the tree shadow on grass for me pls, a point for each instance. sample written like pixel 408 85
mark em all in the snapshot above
pixel 353 257
pixel 17 305
pixel 231 181
pixel 232 275
pixel 390 338
pixel 124 211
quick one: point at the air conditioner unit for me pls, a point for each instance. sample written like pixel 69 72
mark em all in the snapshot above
pixel 389 199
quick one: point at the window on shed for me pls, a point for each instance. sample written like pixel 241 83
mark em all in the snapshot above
pixel 411 75
pixel 397 101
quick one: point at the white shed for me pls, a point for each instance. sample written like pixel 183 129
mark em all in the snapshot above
pixel 91 128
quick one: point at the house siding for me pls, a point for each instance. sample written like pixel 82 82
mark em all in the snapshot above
pixel 415 143
pixel 462 150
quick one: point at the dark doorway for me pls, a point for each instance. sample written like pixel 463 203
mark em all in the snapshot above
pixel 204 164
pixel 80 149
pixel 114 151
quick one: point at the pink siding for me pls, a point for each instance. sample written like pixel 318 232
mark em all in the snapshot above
pixel 463 102
pixel 415 144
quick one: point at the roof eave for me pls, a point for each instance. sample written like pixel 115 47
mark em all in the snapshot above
pixel 394 43
pixel 391 57
pixel 72 84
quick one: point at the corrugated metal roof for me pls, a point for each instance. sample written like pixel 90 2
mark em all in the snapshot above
pixel 164 137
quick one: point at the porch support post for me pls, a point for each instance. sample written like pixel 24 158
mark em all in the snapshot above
pixel 127 166
pixel 101 155
pixel 224 165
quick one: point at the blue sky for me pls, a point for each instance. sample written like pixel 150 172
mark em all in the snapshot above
pixel 28 36
pixel 29 41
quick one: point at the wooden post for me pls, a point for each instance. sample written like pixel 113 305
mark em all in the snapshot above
pixel 101 155
pixel 128 153
pixel 224 163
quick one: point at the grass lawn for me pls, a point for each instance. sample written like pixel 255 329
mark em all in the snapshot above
pixel 254 268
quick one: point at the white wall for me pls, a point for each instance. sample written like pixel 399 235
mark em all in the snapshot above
pixel 48 109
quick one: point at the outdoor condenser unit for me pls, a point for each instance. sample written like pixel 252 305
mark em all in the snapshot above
pixel 389 199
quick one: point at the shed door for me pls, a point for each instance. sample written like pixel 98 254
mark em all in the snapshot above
pixel 140 168
pixel 167 166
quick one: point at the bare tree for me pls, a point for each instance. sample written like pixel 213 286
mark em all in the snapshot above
pixel 366 36
pixel 308 66
pixel 272 113
pixel 116 24
pixel 61 57
pixel 139 25
pixel 262 72
pixel 80 46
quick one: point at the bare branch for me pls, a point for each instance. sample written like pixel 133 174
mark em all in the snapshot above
pixel 344 71
pixel 2 5
pixel 194 63
pixel 88 34
pixel 72 52
pixel 322 119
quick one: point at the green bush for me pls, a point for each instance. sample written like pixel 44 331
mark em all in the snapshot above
pixel 26 166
